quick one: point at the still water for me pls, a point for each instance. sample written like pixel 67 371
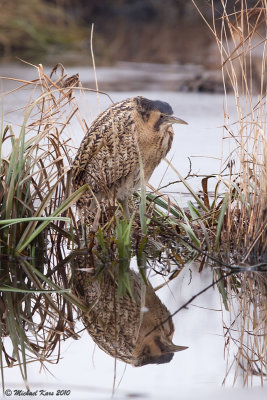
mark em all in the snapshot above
pixel 197 372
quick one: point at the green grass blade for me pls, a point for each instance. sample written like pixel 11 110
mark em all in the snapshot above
pixel 163 204
pixel 30 228
pixel 101 240
pixel 123 234
pixel 222 290
pixel 64 206
pixel 193 211
pixel 18 290
pixel 191 234
pixel 220 219
pixel 68 296
pixel 194 194
pixel 8 222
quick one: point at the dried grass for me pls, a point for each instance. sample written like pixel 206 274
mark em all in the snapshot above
pixel 37 227
pixel 242 39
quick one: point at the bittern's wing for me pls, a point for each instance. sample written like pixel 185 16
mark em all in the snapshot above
pixel 108 152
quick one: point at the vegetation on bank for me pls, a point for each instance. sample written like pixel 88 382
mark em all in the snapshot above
pixel 30 28
pixel 138 31
pixel 40 233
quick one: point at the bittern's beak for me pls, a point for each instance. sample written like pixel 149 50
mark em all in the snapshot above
pixel 174 348
pixel 174 120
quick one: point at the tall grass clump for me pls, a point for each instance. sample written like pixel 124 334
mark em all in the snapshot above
pixel 227 229
pixel 241 35
pixel 36 228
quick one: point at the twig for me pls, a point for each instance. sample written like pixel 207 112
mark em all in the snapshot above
pixel 93 60
pixel 190 301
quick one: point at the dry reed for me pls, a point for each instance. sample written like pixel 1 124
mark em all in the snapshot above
pixel 37 227
pixel 241 35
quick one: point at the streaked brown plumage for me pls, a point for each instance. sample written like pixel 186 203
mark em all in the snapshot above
pixel 109 156
pixel 117 325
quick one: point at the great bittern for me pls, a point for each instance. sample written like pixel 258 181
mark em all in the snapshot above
pixel 131 133
pixel 117 324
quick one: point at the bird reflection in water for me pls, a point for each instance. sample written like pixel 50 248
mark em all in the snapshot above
pixel 121 326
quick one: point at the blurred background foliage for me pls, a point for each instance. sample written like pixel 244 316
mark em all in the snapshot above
pixel 138 30
pixel 32 27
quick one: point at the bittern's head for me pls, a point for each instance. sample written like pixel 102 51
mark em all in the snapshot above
pixel 157 114
pixel 154 344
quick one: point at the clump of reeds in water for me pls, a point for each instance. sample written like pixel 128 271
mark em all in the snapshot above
pixel 36 227
pixel 241 35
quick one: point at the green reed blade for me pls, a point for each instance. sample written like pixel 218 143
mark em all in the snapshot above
pixel 64 206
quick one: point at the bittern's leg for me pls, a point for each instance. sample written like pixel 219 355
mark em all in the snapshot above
pixel 125 207
pixel 93 230
pixel 96 218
